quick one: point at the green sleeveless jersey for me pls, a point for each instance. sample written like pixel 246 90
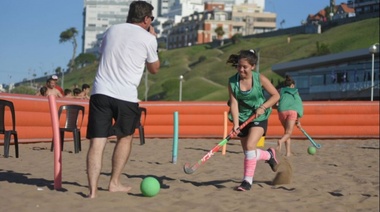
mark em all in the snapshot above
pixel 290 100
pixel 249 101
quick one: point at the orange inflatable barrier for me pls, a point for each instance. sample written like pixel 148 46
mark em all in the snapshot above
pixel 327 119
pixel 33 120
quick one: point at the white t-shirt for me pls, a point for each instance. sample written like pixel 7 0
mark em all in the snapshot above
pixel 125 49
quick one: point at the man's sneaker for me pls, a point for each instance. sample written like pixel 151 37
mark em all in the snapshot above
pixel 273 163
pixel 244 186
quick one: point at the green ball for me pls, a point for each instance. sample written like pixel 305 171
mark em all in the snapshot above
pixel 150 187
pixel 311 150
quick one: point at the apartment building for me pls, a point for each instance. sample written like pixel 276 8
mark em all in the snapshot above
pixel 364 6
pixel 249 19
pixel 98 15
pixel 198 28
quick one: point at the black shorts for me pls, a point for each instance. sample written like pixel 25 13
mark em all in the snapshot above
pixel 109 116
pixel 263 124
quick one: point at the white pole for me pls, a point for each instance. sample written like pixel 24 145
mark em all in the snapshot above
pixel 180 88
pixel 373 49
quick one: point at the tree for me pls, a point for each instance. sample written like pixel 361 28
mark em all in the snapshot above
pixel 69 35
pixel 236 38
pixel 84 59
pixel 23 89
pixel 58 70
pixel 220 32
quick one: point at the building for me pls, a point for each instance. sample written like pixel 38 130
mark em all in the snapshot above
pixel 351 9
pixel 339 12
pixel 2 88
pixel 249 19
pixel 320 16
pixel 343 11
pixel 164 6
pixel 364 6
pixel 98 15
pixel 342 76
pixel 198 28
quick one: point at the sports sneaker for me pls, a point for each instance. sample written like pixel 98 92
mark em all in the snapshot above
pixel 273 163
pixel 244 186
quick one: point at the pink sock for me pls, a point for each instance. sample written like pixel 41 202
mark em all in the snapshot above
pixel 263 155
pixel 249 169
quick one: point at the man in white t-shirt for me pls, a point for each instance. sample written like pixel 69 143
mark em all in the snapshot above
pixel 125 51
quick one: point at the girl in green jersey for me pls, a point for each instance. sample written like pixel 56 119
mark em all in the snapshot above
pixel 247 99
pixel 290 110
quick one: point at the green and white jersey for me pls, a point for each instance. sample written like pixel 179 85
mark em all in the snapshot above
pixel 290 100
pixel 250 100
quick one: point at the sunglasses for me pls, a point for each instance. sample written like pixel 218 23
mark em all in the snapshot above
pixel 152 18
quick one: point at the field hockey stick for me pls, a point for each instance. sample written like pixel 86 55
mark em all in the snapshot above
pixel 310 139
pixel 191 169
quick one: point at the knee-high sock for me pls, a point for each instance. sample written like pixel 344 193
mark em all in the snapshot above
pixel 249 165
pixel 262 155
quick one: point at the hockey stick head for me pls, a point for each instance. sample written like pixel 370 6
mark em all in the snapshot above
pixel 188 169
pixel 318 146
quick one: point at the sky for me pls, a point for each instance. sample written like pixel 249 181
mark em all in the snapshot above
pixel 30 29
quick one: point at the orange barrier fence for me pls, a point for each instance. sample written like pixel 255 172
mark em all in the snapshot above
pixel 33 120
pixel 326 119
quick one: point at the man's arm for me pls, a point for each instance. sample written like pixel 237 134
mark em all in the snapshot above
pixel 153 67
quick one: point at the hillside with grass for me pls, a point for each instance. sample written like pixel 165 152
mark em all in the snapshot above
pixel 205 70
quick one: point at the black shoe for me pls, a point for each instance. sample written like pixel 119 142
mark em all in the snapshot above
pixel 244 186
pixel 273 163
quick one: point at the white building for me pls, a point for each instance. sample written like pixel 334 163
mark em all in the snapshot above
pixel 98 15
pixel 2 88
pixel 181 8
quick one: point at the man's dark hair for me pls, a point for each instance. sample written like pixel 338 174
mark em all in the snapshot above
pixel 43 90
pixel 76 91
pixel 84 86
pixel 138 10
pixel 67 91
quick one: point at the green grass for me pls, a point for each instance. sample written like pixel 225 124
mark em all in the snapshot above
pixel 206 80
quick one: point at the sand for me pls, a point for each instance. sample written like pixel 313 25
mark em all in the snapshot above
pixel 342 176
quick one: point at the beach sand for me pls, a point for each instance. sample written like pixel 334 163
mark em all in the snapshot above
pixel 342 176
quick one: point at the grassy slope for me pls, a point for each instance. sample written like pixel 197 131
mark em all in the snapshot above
pixel 206 80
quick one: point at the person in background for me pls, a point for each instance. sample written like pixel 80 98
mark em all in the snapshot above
pixel 68 93
pixel 290 111
pixel 76 92
pixel 246 100
pixel 55 77
pixel 114 109
pixel 43 91
pixel 85 92
pixel 51 84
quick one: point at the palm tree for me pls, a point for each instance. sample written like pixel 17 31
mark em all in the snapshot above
pixel 69 35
